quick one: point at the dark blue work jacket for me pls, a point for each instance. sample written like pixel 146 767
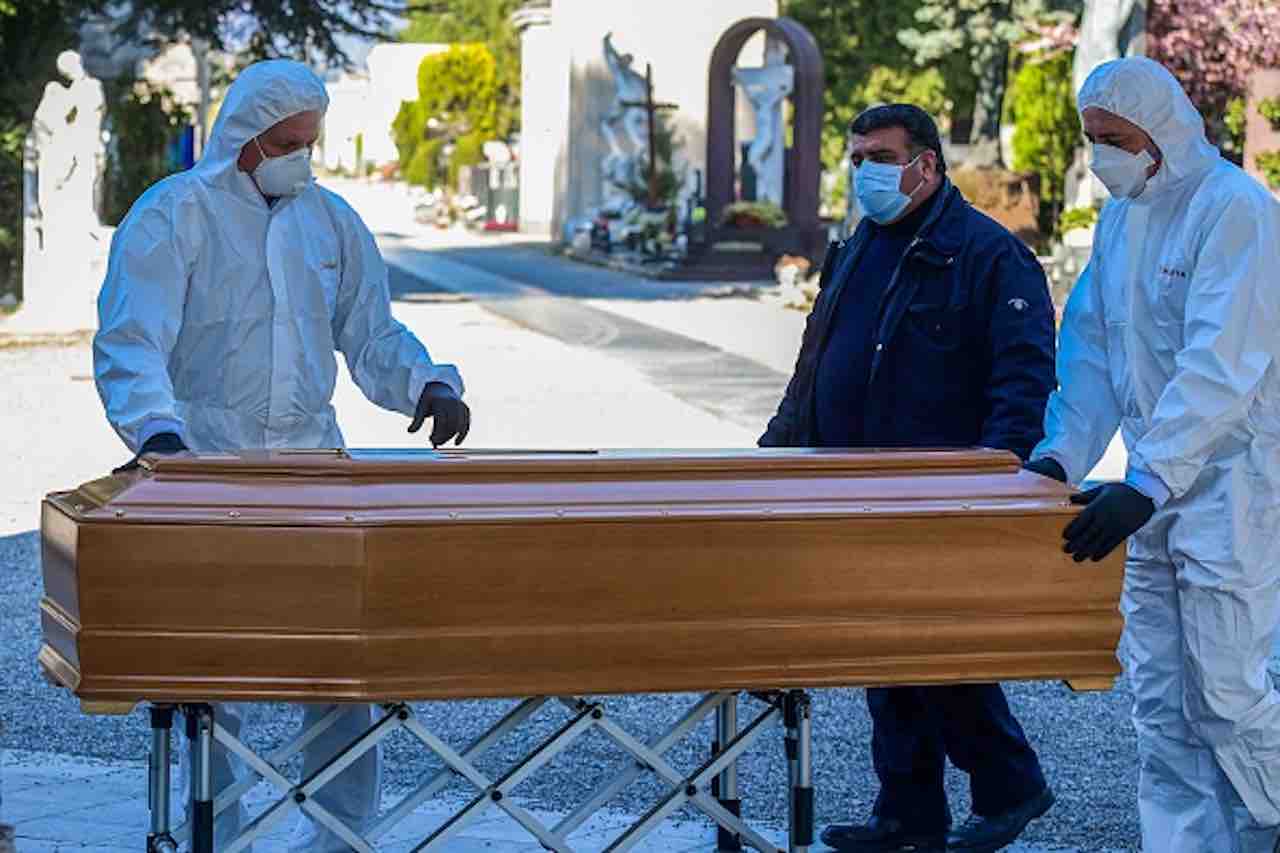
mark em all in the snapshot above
pixel 964 340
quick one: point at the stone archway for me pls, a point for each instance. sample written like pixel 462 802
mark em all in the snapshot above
pixel 803 162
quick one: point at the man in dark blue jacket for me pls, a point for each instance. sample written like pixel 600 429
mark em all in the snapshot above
pixel 933 327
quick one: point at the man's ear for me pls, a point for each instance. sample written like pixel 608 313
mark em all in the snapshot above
pixel 930 159
pixel 249 158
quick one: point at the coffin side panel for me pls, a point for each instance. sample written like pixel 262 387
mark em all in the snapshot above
pixel 522 606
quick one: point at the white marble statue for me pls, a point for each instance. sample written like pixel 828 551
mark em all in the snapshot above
pixel 767 88
pixel 62 266
pixel 625 128
pixel 68 127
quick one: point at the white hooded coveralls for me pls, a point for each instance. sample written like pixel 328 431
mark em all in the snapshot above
pixel 219 319
pixel 220 316
pixel 1172 334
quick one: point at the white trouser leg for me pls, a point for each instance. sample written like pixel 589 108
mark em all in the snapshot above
pixel 227 769
pixel 1228 577
pixel 1177 798
pixel 354 795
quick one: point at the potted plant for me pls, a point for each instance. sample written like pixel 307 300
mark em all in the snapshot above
pixel 754 215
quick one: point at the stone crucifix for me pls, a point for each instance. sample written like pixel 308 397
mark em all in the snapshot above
pixel 767 88
pixel 651 109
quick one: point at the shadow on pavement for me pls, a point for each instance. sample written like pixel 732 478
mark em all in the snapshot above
pixel 409 288
pixel 536 264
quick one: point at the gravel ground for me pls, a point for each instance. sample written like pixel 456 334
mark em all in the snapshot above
pixel 1085 741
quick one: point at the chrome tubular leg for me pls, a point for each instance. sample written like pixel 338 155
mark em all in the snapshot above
pixel 800 755
pixel 200 734
pixel 160 840
pixel 725 786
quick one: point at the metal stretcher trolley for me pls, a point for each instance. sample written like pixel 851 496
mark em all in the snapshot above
pixel 566 577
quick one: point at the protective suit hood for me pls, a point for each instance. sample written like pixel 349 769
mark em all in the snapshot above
pixel 1145 93
pixel 264 94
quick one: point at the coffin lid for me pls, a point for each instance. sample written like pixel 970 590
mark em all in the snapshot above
pixel 401 486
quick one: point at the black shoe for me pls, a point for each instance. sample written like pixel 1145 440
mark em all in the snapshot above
pixel 988 834
pixel 883 835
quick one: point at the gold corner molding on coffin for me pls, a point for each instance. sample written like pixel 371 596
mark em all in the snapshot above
pixel 403 575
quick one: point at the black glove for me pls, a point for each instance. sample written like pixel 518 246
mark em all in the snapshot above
pixel 1113 513
pixel 449 414
pixel 1047 467
pixel 162 442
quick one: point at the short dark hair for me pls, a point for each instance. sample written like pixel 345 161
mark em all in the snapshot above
pixel 921 130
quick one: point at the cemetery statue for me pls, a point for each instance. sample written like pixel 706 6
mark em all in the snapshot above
pixel 767 88
pixel 623 123
pixel 68 133
pixel 62 265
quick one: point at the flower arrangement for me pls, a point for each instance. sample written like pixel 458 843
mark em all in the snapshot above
pixel 754 214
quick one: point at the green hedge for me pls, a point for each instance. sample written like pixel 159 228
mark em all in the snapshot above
pixel 458 105
pixel 1042 105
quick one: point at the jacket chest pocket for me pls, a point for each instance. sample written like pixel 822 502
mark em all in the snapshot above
pixel 939 314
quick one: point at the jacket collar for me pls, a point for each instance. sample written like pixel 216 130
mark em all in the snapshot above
pixel 942 232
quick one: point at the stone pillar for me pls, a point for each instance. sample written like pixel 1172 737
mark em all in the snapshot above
pixel 1259 135
pixel 544 120
pixel 32 230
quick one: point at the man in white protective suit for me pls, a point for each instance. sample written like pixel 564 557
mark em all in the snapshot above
pixel 228 291
pixel 1172 334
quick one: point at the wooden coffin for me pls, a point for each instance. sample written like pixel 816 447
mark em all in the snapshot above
pixel 421 575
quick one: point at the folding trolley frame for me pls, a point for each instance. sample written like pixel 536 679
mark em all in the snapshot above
pixel 712 788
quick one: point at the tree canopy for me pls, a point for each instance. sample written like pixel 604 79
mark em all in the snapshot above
pixel 970 41
pixel 303 29
pixel 455 114
pixel 486 22
pixel 865 64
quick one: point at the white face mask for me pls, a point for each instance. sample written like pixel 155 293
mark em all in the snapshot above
pixel 1124 174
pixel 283 176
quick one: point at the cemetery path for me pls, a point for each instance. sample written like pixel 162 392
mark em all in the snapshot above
pixel 726 384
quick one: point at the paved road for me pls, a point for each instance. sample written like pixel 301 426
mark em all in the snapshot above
pixel 729 386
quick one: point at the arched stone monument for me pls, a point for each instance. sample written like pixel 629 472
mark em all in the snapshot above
pixel 802 163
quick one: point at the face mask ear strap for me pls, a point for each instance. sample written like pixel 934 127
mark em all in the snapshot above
pixel 919 183
pixel 261 153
